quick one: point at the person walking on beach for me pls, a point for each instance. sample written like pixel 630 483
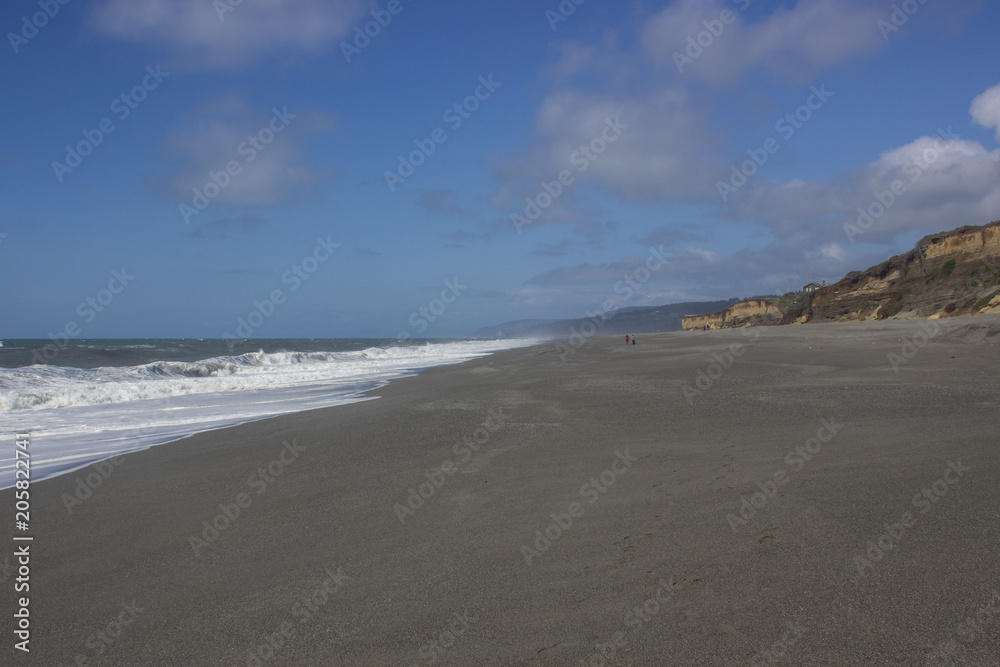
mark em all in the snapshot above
pixel 626 339
pixel 633 339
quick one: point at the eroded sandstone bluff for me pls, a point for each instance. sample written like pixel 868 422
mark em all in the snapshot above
pixel 946 274
pixel 752 312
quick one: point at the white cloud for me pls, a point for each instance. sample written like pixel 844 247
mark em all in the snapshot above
pixel 928 184
pixel 704 254
pixel 661 152
pixel 669 152
pixel 201 37
pixel 672 153
pixel 797 42
pixel 690 274
pixel 834 251
pixel 986 109
pixel 269 174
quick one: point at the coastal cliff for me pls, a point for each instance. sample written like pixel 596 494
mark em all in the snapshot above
pixel 751 312
pixel 952 273
pixel 946 274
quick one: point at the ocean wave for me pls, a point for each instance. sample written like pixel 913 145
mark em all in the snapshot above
pixel 49 387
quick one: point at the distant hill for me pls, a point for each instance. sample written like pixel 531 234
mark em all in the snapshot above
pixel 512 329
pixel 634 319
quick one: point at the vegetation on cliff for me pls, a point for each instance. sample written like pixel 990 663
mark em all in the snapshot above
pixel 945 274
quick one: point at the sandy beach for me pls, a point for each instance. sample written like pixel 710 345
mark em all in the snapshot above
pixel 819 494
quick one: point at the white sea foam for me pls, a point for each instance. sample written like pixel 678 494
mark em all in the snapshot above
pixel 79 416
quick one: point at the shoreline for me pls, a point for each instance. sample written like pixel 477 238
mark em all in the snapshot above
pixel 65 456
pixel 618 486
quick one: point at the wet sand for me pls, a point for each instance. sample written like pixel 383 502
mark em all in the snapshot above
pixel 800 502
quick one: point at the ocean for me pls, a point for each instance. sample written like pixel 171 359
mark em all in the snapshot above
pixel 85 401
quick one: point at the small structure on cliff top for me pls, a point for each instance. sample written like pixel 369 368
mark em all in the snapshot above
pixel 810 288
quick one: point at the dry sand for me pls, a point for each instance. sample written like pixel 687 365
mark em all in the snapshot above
pixel 650 570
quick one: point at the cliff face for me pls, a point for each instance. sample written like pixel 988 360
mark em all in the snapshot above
pixel 752 312
pixel 952 273
pixel 712 321
pixel 754 309
pixel 945 274
pixel 970 243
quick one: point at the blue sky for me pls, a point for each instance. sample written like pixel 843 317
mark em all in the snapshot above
pixel 917 106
